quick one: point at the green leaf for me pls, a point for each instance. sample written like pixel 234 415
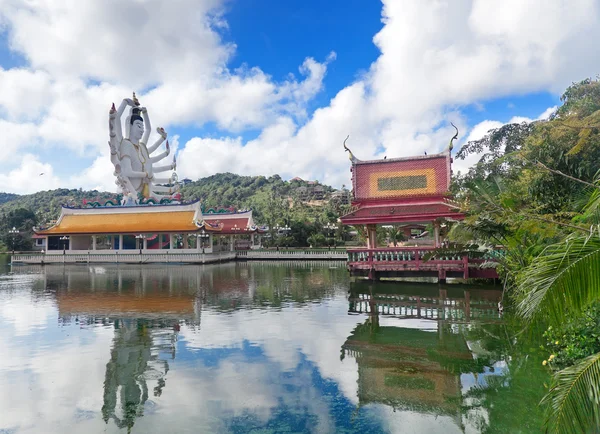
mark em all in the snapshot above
pixel 562 280
pixel 574 398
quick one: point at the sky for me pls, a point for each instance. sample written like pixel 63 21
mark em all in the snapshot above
pixel 267 87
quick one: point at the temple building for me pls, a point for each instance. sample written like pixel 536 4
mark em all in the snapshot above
pixel 147 221
pixel 412 191
pixel 411 194
pixel 175 228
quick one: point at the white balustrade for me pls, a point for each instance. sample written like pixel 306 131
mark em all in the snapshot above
pixel 124 258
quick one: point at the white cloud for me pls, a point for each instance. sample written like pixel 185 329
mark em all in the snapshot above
pixel 32 175
pixel 435 58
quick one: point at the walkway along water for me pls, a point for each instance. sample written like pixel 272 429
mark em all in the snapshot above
pixel 115 257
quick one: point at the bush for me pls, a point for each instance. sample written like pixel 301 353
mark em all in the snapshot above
pixel 576 339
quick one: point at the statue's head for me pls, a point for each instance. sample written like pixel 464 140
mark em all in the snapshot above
pixel 136 129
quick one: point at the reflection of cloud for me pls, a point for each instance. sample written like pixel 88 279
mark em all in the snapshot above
pixel 55 378
pixel 317 331
pixel 263 367
pixel 19 309
pixel 242 387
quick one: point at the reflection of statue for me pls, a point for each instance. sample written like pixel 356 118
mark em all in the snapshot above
pixel 134 167
pixel 133 362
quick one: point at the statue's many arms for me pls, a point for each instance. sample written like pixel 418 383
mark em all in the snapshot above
pixel 134 166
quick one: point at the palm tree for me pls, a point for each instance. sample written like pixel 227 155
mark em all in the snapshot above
pixel 559 283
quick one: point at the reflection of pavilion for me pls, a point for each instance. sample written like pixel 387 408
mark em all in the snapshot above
pixel 411 368
pixel 446 303
pixel 400 367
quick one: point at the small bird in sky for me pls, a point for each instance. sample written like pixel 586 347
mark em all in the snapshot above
pixel 41 173
pixel 385 157
pixel 425 152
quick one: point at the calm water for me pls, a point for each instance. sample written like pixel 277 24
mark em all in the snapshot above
pixel 255 347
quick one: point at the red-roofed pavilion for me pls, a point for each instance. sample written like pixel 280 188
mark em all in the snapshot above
pixel 412 192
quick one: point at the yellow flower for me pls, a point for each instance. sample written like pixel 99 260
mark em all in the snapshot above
pixel 544 362
pixel 551 357
pixel 556 343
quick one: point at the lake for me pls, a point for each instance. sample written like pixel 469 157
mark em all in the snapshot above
pixel 261 347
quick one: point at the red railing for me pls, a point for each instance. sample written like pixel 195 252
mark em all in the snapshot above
pixel 418 259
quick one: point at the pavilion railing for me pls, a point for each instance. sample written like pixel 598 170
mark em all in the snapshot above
pixel 423 259
pixel 292 254
pixel 412 254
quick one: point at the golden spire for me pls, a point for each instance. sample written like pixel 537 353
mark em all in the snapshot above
pixel 450 146
pixel 351 156
pixel 135 100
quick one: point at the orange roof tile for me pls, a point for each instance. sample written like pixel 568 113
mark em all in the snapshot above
pixel 128 223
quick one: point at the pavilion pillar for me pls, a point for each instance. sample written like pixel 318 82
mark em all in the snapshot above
pixel 252 241
pixel 171 241
pixel 93 242
pixel 436 234
pixel 185 241
pixel 120 242
pixel 371 236
pixel 231 243
pixel 145 243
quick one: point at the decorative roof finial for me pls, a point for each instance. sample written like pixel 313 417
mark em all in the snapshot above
pixel 351 156
pixel 450 146
pixel 135 100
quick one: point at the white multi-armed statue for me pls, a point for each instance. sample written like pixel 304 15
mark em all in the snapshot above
pixel 134 165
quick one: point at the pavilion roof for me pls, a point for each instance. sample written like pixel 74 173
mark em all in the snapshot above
pixel 232 223
pixel 401 178
pixel 407 212
pixel 127 220
pixel 402 190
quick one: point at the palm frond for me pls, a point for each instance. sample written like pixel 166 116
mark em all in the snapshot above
pixel 562 280
pixel 573 401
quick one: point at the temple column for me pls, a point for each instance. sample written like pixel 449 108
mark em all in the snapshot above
pixel 371 236
pixel 231 243
pixel 171 241
pixel 252 241
pixel 436 234
pixel 94 242
pixel 185 241
pixel 120 242
pixel 145 243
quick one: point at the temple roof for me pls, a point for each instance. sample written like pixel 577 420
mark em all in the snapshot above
pixel 411 212
pixel 148 219
pixel 232 223
pixel 400 178
pixel 127 220
pixel 401 190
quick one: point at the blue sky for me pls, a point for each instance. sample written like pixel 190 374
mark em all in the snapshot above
pixel 267 87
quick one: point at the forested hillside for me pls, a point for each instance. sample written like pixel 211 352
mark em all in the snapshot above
pixel 7 197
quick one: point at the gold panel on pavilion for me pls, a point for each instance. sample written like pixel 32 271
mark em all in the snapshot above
pixel 402 183
pixel 128 223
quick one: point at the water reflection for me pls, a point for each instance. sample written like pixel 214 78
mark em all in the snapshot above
pixel 447 365
pixel 139 355
pixel 252 346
